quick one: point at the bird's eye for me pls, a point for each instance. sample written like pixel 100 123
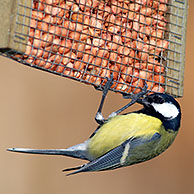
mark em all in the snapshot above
pixel 156 99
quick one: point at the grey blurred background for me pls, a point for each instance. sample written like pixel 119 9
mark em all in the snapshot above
pixel 40 110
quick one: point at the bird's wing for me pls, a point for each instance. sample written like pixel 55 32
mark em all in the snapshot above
pixel 116 157
pixel 119 129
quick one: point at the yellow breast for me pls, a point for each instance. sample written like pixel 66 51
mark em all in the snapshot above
pixel 119 129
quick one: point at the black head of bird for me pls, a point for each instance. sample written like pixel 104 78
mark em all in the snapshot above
pixel 164 107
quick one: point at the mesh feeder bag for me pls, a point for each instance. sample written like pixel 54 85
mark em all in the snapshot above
pixel 138 41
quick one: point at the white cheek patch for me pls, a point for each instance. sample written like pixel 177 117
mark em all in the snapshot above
pixel 166 109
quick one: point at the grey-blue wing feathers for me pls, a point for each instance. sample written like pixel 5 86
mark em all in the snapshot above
pixel 110 160
pixel 115 158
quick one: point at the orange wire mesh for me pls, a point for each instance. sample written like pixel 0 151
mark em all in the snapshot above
pixel 88 40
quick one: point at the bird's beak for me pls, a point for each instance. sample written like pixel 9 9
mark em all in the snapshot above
pixel 143 102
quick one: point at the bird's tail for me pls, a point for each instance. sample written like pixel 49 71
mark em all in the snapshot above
pixel 77 151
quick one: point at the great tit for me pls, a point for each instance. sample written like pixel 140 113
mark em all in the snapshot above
pixel 123 140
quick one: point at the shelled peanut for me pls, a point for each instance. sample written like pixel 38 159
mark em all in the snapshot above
pixel 90 39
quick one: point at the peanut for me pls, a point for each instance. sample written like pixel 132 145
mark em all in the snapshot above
pixel 100 37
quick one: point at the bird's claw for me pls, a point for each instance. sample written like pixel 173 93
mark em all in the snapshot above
pixel 138 95
pixel 145 88
pixel 109 83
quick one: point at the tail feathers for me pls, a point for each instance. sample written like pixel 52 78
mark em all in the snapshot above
pixel 63 152
pixel 73 151
pixel 70 169
pixel 38 151
pixel 77 169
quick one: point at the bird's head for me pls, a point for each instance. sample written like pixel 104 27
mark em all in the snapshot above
pixel 163 105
